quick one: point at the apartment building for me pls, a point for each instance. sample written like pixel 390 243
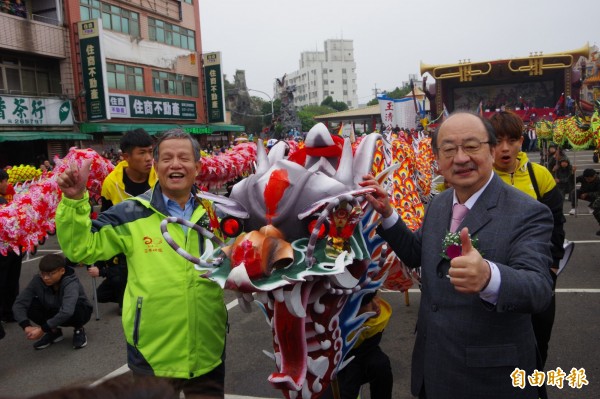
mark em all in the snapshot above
pixel 331 72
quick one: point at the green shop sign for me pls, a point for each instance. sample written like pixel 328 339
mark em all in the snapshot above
pixel 161 108
pixel 213 82
pixel 93 69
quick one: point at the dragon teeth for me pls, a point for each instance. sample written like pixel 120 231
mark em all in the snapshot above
pixel 293 301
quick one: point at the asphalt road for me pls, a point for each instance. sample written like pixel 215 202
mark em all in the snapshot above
pixel 574 344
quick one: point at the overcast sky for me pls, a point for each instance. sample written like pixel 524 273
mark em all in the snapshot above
pixel 265 37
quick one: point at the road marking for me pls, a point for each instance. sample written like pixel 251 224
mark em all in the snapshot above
pixel 27 259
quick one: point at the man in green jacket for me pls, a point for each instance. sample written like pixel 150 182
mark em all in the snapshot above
pixel 174 321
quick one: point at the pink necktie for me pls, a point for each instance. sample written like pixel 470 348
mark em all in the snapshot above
pixel 459 212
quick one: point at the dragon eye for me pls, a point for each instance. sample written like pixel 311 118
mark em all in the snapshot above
pixel 231 226
pixel 322 228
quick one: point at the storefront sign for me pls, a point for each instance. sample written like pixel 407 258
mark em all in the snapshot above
pixel 128 106
pixel 161 108
pixel 34 111
pixel 213 79
pixel 119 105
pixel 93 67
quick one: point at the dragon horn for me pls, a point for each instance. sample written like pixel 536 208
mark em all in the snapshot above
pixel 277 152
pixel 363 159
pixel 262 161
pixel 344 170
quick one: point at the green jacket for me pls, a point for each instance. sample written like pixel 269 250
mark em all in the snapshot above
pixel 174 321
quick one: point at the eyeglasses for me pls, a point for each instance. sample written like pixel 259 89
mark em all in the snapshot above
pixel 49 274
pixel 470 146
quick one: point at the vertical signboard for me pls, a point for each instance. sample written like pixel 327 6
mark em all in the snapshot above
pixel 213 84
pixel 93 67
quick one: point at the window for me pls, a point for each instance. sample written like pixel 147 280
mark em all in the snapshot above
pixel 170 34
pixel 113 17
pixel 170 83
pixel 29 76
pixel 189 1
pixel 123 77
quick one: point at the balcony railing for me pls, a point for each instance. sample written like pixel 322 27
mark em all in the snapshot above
pixel 22 34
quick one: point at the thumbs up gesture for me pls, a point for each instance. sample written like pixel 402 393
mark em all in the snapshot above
pixel 469 272
pixel 73 180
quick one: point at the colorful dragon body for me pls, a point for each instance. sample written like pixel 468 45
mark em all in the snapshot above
pixel 578 131
pixel 28 219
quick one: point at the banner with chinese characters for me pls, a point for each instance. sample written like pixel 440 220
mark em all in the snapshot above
pixel 34 111
pixel 397 112
pixel 129 106
pixel 213 82
pixel 119 105
pixel 93 67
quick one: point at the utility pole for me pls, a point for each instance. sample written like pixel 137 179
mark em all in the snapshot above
pixel 376 91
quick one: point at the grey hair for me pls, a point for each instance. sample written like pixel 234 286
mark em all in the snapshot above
pixel 177 134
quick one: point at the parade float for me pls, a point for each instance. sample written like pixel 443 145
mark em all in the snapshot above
pixel 529 86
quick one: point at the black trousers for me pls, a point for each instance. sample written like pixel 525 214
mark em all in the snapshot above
pixel 542 328
pixel 543 323
pixel 370 366
pixel 208 386
pixel 40 314
pixel 10 273
pixel 112 288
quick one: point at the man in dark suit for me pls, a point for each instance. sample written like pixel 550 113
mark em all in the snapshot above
pixel 474 327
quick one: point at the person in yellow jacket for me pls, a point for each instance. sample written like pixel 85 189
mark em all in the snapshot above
pixel 131 177
pixel 174 321
pixel 513 166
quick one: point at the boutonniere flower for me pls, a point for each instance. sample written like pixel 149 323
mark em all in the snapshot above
pixel 452 247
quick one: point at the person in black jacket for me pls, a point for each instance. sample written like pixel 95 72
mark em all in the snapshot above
pixel 589 190
pixel 53 298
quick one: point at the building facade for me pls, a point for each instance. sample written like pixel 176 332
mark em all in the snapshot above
pixel 331 72
pixel 36 82
pixel 110 65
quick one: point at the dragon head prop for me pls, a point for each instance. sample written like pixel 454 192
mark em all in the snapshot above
pixel 307 256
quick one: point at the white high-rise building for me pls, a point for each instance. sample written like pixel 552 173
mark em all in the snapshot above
pixel 326 73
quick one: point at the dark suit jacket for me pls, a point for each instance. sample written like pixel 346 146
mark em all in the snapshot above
pixel 465 347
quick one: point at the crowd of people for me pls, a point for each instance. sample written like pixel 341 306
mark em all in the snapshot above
pixel 14 7
pixel 497 295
